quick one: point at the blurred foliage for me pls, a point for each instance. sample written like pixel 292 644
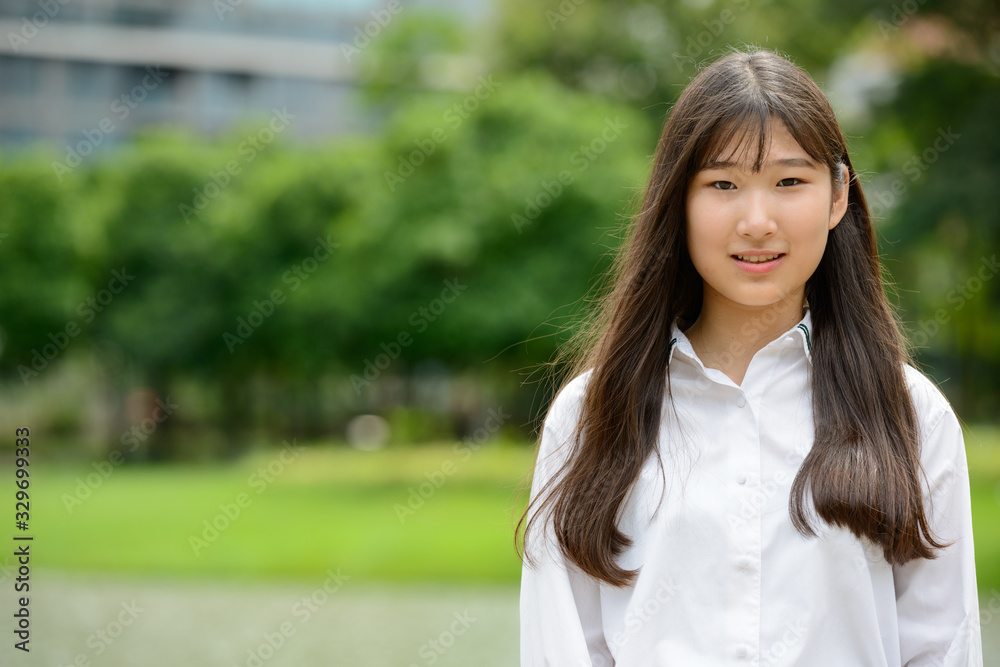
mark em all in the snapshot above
pixel 946 227
pixel 437 49
pixel 306 285
pixel 447 238
pixel 643 53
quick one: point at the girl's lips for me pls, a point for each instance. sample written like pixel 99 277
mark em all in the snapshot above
pixel 759 267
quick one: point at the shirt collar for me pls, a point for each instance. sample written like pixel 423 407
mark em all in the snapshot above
pixel 802 332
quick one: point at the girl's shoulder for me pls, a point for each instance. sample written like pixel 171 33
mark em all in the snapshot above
pixel 927 396
pixel 564 411
pixel 928 399
pixel 560 423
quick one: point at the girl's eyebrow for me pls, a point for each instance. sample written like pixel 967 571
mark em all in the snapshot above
pixel 784 162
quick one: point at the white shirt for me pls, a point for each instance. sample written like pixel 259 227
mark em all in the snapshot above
pixel 725 578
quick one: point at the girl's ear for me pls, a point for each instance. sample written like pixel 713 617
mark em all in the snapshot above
pixel 840 198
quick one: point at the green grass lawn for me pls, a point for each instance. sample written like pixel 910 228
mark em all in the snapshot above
pixel 338 508
pixel 982 446
pixel 329 508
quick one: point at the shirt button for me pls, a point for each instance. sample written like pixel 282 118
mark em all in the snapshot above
pixel 741 401
pixel 741 478
pixel 743 562
pixel 742 651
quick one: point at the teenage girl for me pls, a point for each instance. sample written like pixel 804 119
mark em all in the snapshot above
pixel 745 467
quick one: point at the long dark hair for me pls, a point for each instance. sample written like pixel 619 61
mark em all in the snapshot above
pixel 863 469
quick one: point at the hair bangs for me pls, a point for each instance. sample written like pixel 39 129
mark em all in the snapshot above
pixel 743 136
pixel 734 137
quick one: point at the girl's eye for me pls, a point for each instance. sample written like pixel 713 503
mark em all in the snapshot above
pixel 729 185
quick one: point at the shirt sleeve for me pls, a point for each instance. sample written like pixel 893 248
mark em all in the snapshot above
pixel 936 600
pixel 560 605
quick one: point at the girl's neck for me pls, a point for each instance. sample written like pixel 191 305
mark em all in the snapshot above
pixel 727 336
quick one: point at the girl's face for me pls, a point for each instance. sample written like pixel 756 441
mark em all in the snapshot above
pixel 787 209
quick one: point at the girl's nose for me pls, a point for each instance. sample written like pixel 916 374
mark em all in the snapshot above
pixel 757 218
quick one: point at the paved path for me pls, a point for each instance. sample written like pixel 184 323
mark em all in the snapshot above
pixel 215 624
pixel 120 621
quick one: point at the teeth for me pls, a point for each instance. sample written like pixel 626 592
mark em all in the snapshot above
pixel 757 259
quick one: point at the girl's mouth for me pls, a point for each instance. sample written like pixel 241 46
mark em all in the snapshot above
pixel 758 263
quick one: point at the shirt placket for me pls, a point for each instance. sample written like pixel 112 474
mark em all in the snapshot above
pixel 745 555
